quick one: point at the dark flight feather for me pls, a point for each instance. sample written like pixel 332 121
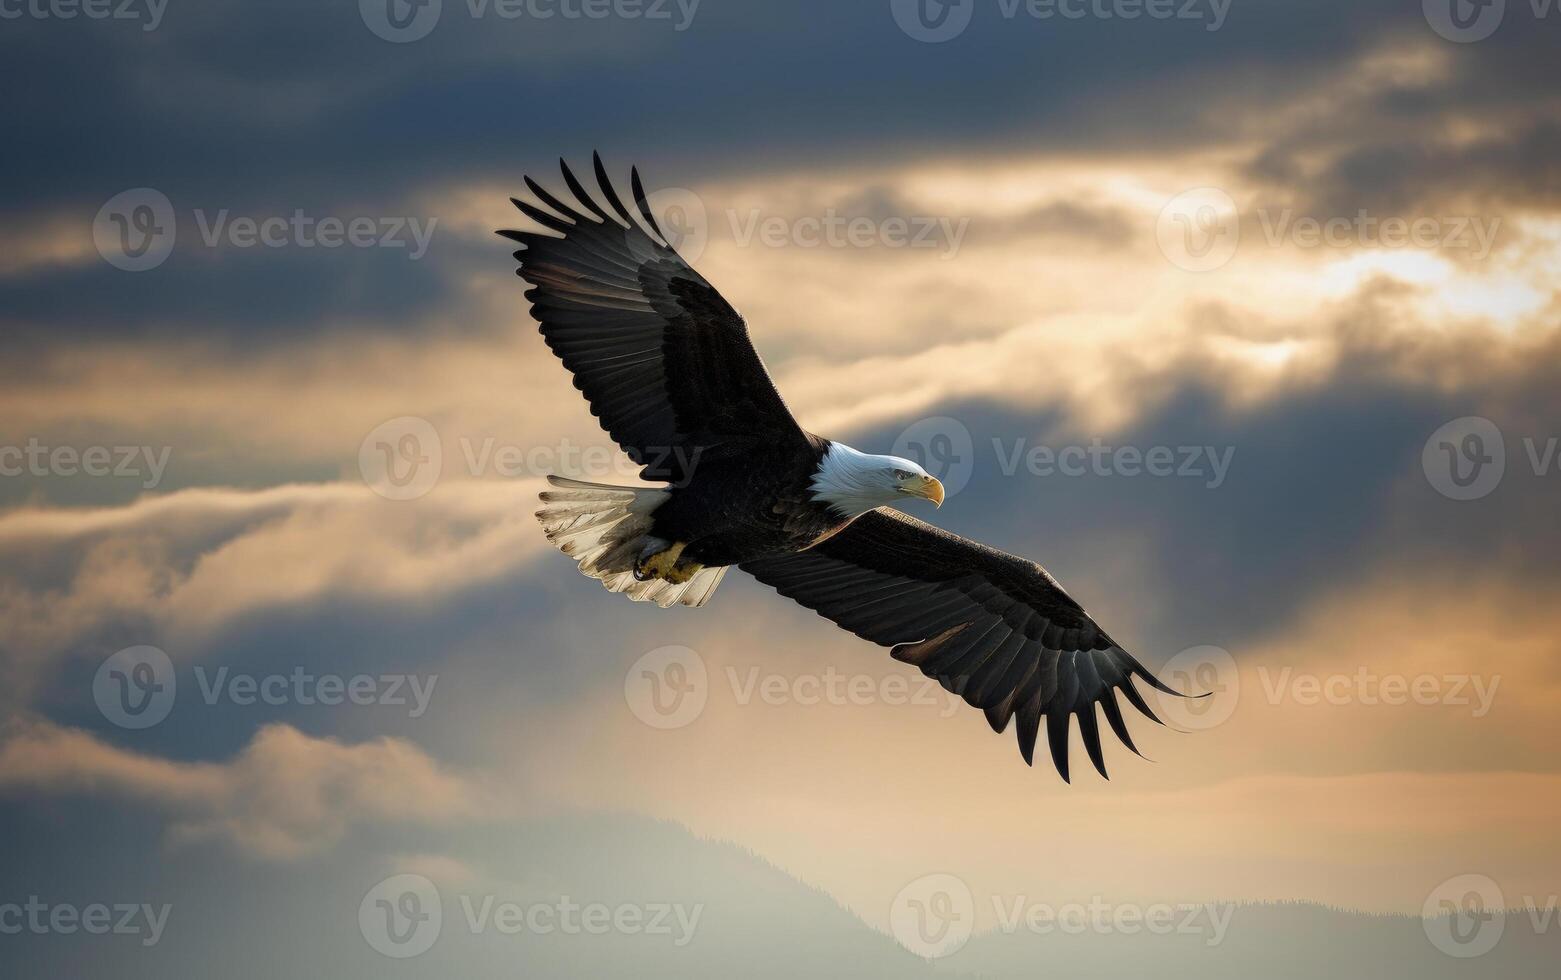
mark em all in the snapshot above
pixel 994 628
pixel 664 361
pixel 643 202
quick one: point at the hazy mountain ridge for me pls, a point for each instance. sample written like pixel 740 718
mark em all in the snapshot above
pixel 241 918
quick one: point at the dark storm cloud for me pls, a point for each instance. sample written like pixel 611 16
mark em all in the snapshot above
pixel 254 291
pixel 233 99
pixel 263 109
pixel 1394 146
pixel 1325 487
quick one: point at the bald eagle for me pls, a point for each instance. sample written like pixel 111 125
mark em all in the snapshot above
pixel 667 367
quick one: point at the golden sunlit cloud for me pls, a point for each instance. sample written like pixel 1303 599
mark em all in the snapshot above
pixel 286 796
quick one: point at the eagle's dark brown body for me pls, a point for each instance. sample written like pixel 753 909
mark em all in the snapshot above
pixel 734 509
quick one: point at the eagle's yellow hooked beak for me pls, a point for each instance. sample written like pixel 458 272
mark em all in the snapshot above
pixel 925 486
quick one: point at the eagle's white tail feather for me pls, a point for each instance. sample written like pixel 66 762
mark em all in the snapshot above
pixel 605 528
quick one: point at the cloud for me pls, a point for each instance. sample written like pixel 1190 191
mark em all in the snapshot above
pixel 1349 111
pixel 1056 321
pixel 183 568
pixel 285 796
pixel 1364 804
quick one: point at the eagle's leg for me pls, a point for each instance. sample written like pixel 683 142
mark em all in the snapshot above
pixel 665 563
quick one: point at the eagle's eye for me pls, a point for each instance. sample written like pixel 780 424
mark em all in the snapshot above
pixel 903 474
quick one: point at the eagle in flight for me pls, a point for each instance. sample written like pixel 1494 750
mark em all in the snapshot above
pixel 668 368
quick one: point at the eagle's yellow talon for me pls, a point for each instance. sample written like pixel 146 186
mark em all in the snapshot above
pixel 666 565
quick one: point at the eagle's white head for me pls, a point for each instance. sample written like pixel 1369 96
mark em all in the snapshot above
pixel 853 483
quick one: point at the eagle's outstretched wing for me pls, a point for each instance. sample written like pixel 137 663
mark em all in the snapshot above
pixel 663 359
pixel 991 627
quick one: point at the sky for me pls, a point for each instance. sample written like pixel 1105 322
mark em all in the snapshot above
pixel 1239 316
